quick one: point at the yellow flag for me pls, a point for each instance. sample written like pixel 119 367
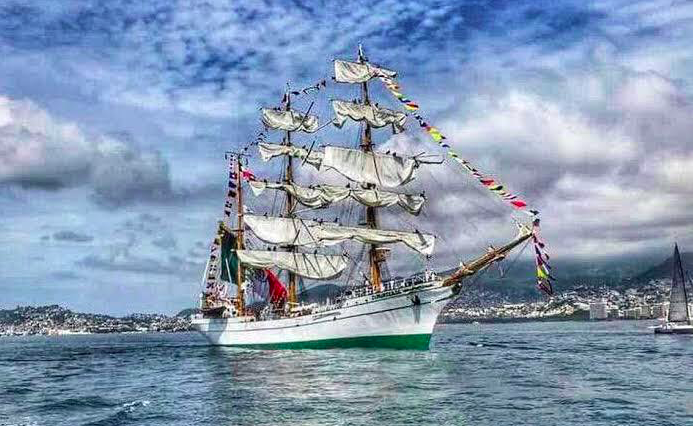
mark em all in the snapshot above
pixel 541 274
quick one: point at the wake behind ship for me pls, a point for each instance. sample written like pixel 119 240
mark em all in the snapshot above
pixel 267 258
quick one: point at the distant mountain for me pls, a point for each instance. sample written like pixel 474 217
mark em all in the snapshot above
pixel 320 293
pixel 662 270
pixel 53 313
pixel 517 283
pixel 185 313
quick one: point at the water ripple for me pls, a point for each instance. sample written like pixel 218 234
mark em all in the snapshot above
pixel 543 373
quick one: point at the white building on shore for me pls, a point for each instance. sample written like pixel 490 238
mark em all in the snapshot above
pixel 633 313
pixel 598 310
pixel 646 311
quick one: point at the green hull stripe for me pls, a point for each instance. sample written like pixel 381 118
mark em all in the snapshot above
pixel 409 341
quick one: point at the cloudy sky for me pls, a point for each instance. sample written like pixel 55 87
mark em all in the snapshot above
pixel 114 116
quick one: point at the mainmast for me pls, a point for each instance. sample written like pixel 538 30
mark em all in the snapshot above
pixel 240 303
pixel 371 216
pixel 290 202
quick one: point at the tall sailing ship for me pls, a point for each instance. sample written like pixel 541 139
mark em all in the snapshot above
pixel 251 253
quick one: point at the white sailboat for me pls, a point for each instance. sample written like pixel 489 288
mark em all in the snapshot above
pixel 371 311
pixel 678 320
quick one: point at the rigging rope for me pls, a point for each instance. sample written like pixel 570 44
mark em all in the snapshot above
pixel 310 94
pixel 512 264
pixel 544 277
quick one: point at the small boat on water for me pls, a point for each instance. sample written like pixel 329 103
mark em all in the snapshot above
pixel 678 321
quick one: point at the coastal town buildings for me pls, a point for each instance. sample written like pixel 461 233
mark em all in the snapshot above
pixel 581 303
pixel 56 320
pixel 648 301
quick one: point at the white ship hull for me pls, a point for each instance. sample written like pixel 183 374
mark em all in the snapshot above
pixel 400 319
pixel 674 328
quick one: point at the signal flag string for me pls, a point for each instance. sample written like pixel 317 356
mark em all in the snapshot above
pixel 544 277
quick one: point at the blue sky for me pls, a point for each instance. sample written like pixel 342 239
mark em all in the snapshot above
pixel 114 117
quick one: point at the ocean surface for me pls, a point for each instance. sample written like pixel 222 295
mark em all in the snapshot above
pixel 560 373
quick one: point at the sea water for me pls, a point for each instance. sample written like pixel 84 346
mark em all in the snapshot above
pixel 552 373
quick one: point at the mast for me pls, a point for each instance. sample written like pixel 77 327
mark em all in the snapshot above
pixel 240 302
pixel 290 202
pixel 371 216
pixel 203 300
pixel 685 296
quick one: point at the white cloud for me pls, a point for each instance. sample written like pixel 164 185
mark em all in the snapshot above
pixel 581 109
pixel 40 151
pixel 36 150
pixel 648 92
pixel 527 126
pixel 671 172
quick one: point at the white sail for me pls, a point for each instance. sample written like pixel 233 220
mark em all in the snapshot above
pixel 385 170
pixel 290 120
pixel 375 116
pixel 271 150
pixel 368 167
pixel 281 231
pixel 299 232
pixel 312 266
pixel 324 195
pixel 354 72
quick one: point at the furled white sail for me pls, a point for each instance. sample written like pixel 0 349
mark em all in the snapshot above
pixel 387 170
pixel 368 167
pixel 354 72
pixel 290 120
pixel 312 266
pixel 299 232
pixel 422 243
pixel 283 231
pixel 271 150
pixel 375 116
pixel 320 196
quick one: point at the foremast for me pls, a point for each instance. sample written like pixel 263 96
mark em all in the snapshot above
pixel 240 297
pixel 290 202
pixel 371 214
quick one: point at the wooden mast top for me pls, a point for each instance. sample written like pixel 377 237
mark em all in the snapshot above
pixel 371 215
